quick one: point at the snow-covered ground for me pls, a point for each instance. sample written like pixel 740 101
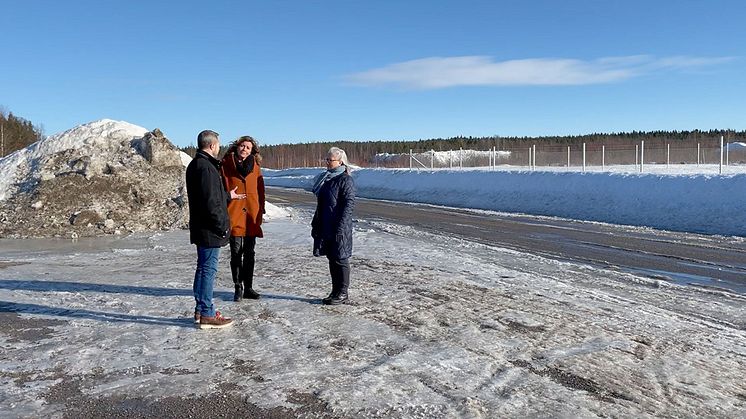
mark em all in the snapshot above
pixel 438 327
pixel 689 199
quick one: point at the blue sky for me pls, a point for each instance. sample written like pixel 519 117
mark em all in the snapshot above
pixel 299 71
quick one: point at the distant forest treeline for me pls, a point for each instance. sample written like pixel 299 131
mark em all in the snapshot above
pixel 362 153
pixel 17 133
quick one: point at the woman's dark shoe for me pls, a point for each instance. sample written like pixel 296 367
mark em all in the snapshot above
pixel 237 295
pixel 328 299
pixel 335 300
pixel 251 294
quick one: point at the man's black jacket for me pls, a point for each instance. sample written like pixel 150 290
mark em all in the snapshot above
pixel 209 224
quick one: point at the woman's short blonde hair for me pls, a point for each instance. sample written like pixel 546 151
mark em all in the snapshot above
pixel 339 154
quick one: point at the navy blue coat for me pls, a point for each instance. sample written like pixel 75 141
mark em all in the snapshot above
pixel 209 224
pixel 331 227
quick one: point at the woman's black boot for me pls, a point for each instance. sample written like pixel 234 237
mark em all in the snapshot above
pixel 247 269
pixel 340 272
pixel 248 290
pixel 238 294
pixel 236 244
pixel 343 282
pixel 251 294
pixel 341 296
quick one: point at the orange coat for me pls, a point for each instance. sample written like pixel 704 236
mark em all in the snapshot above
pixel 245 214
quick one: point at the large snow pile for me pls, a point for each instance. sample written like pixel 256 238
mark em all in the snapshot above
pixel 701 203
pixel 102 177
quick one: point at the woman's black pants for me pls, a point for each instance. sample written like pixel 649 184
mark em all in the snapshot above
pixel 242 260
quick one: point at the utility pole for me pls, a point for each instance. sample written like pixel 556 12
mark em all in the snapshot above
pixel 2 139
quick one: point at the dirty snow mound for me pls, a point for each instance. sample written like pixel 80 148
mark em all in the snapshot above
pixel 98 178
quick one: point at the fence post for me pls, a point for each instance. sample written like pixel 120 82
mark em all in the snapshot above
pixel 534 157
pixel 583 157
pixel 410 159
pixel 727 154
pixel 697 154
pixel 668 156
pixel 432 159
pixel 637 154
pixel 461 158
pixel 450 159
pixel 642 156
pixel 603 157
pixel 721 154
pixel 568 157
pixel 529 159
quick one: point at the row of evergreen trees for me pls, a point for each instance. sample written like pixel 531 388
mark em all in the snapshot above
pixel 364 153
pixel 17 133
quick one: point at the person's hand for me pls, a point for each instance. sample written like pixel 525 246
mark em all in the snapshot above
pixel 235 195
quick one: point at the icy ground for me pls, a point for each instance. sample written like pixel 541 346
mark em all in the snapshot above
pixel 439 327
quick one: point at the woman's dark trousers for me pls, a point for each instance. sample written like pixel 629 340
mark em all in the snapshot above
pixel 242 267
pixel 340 272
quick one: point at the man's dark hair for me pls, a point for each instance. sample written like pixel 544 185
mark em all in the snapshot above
pixel 206 138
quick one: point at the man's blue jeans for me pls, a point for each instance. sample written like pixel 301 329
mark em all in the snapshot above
pixel 204 279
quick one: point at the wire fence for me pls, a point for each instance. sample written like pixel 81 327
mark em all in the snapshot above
pixel 581 157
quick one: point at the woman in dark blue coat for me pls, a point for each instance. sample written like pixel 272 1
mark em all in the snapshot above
pixel 331 227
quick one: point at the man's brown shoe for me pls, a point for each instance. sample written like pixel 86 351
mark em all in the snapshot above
pixel 215 322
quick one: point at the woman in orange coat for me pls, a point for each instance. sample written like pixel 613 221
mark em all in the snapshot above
pixel 241 171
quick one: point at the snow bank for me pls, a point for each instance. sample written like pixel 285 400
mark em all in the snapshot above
pixel 274 212
pixel 444 158
pixel 710 204
pixel 185 158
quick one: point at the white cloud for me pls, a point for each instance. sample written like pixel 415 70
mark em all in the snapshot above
pixel 440 72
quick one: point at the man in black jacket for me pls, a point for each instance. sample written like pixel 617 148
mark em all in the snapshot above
pixel 209 226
